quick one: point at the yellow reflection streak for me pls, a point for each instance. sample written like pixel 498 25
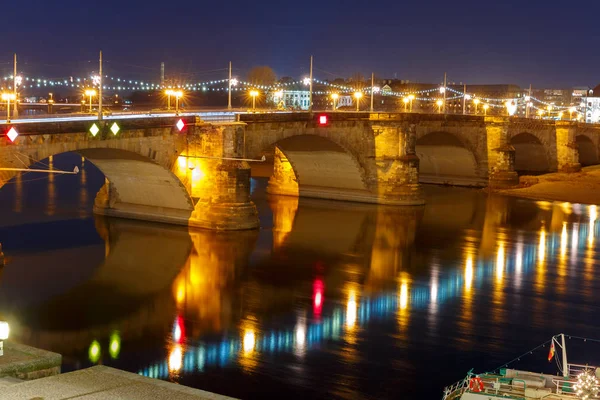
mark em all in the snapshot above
pixel 500 261
pixel 468 273
pixel 564 239
pixel 249 341
pixel 540 277
pixel 351 309
pixel 593 216
pixel 574 243
pixel 403 305
pixel 176 358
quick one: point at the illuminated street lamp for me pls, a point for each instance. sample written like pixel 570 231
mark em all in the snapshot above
pixel 358 96
pixel 8 97
pixel 540 113
pixel 406 100
pixel 169 93
pixel 4 331
pixel 91 93
pixel 278 95
pixel 253 94
pixel 411 97
pixel 476 102
pixel 335 97
pixel 439 103
pixel 571 111
pixel 178 94
pixel 511 107
pixel 560 115
pixel 485 108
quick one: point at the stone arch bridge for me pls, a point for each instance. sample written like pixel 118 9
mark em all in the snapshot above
pixel 201 175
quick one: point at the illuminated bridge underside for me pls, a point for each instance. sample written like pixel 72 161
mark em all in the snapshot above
pixel 311 166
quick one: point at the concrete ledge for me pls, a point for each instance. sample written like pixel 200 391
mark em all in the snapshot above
pixel 24 362
pixel 102 382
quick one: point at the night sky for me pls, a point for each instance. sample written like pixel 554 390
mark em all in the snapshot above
pixel 550 43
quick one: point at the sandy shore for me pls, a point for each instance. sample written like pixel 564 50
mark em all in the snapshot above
pixel 582 187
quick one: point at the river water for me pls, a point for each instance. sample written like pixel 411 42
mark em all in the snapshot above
pixel 326 300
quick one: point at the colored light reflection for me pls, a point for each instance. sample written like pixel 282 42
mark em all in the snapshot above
pixel 176 358
pixel 317 296
pixel 500 261
pixel 593 216
pixel 564 239
pixel 178 330
pixel 114 347
pixel 469 273
pixel 249 341
pixel 94 352
pixel 351 309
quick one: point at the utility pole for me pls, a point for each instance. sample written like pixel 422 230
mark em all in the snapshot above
pixel 372 88
pixel 229 91
pixel 465 99
pixel 16 109
pixel 162 74
pixel 527 103
pixel 310 103
pixel 445 82
pixel 100 90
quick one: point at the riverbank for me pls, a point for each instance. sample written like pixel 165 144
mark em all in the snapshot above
pixel 580 187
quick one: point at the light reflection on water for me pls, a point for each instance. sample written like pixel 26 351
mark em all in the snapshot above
pixel 347 300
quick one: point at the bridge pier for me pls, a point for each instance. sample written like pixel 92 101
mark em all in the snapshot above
pixel 567 152
pixel 501 155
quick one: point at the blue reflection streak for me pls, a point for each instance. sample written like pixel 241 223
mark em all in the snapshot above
pixel 450 286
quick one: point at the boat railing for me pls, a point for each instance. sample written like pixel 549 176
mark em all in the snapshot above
pixel 576 369
pixel 458 388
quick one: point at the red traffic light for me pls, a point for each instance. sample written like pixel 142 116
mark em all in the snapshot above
pixel 323 119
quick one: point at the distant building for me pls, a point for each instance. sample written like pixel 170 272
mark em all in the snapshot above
pixel 293 99
pixel 591 105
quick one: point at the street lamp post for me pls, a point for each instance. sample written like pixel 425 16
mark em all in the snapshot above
pixel 91 93
pixel 178 94
pixel 358 96
pixel 485 108
pixel 439 103
pixel 8 97
pixel 571 111
pixel 169 93
pixel 411 97
pixel 253 94
pixel 476 102
pixel 406 101
pixel 334 97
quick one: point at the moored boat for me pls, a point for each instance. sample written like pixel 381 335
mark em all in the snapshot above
pixel 575 381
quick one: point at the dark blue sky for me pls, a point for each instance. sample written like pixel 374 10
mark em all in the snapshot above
pixel 546 43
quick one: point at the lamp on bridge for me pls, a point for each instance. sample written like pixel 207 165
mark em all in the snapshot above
pixel 90 93
pixel 4 331
pixel 411 97
pixel 8 97
pixel 571 111
pixel 253 93
pixel 406 101
pixel 178 94
pixel 358 96
pixel 485 108
pixel 476 102
pixel 169 93
pixel 439 103
pixel 540 113
pixel 335 97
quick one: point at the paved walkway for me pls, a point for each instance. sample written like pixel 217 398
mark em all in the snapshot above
pixel 102 382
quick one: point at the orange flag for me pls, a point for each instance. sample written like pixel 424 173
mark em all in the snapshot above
pixel 551 353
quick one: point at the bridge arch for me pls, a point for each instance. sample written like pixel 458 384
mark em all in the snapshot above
pixel 310 165
pixel 588 150
pixel 448 158
pixel 136 185
pixel 531 153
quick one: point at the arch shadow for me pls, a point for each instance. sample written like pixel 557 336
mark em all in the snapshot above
pixel 588 152
pixel 531 157
pixel 445 159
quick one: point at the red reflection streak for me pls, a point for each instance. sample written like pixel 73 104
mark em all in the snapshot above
pixel 317 296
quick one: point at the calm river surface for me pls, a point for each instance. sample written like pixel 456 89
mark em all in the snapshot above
pixel 327 300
